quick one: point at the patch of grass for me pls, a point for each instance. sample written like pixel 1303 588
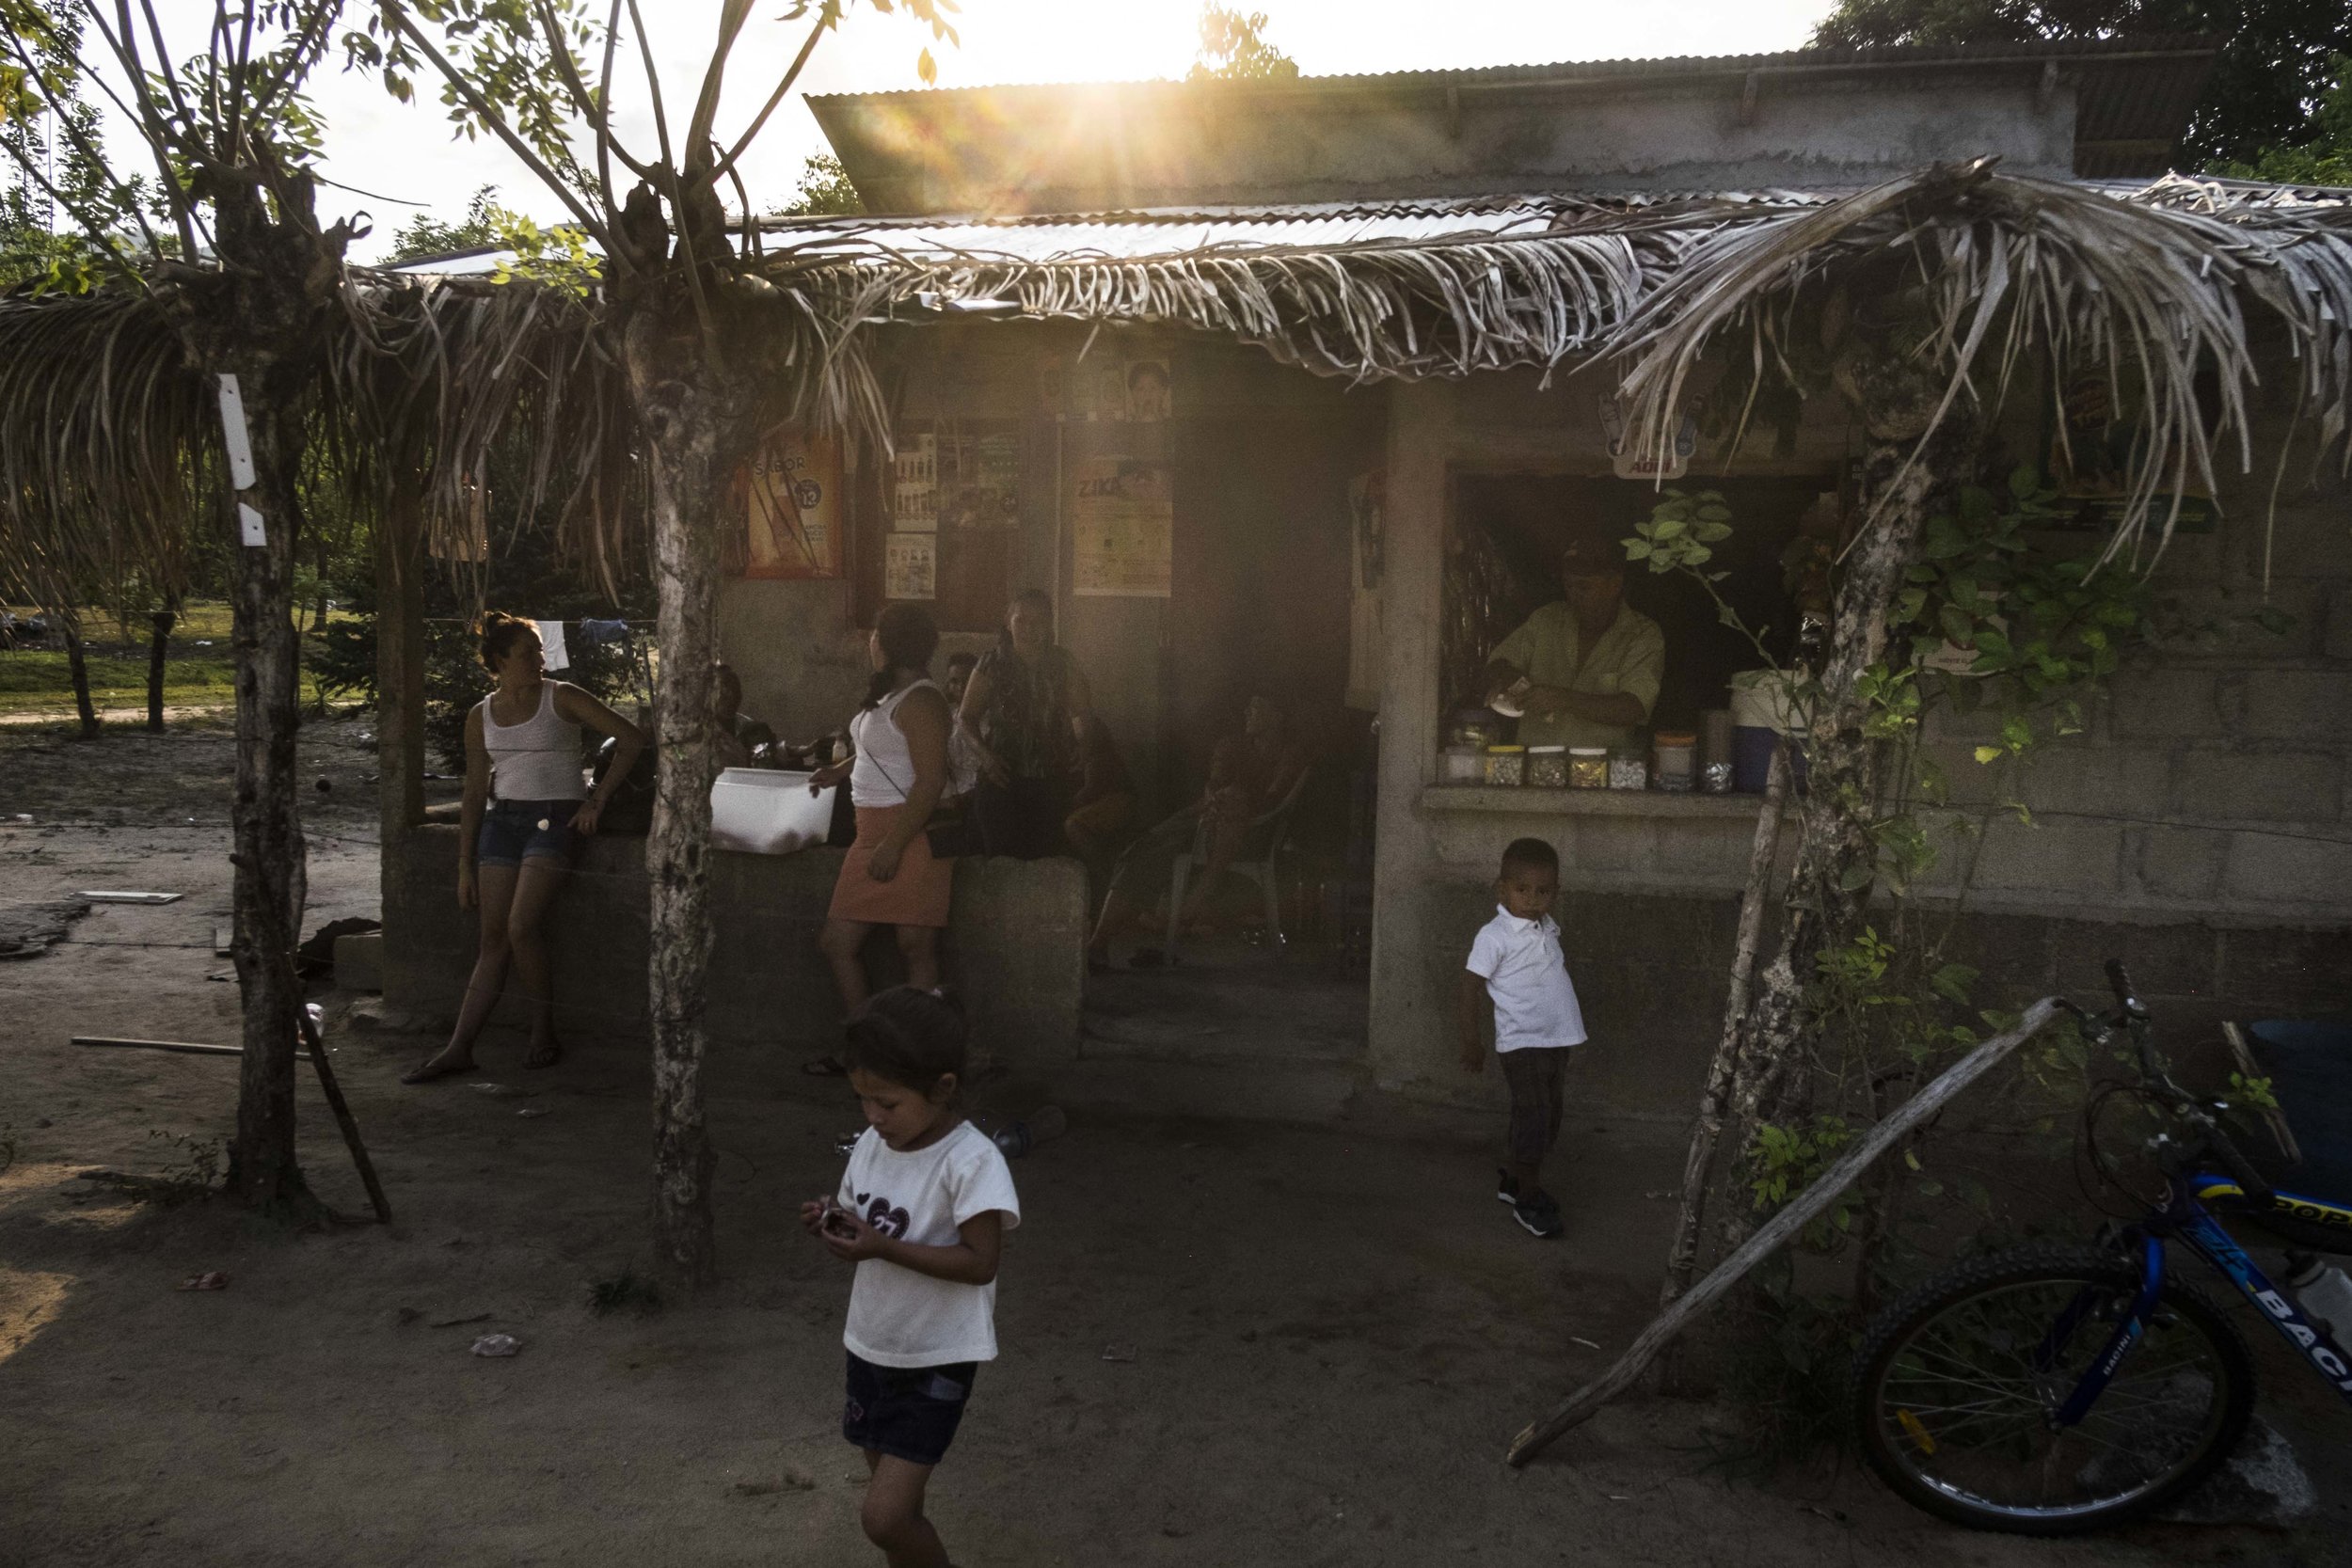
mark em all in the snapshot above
pixel 41 681
pixel 626 1292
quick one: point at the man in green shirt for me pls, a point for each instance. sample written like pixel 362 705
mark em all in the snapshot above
pixel 1584 669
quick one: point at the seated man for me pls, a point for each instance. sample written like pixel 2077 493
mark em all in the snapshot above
pixel 1584 669
pixel 1250 774
pixel 735 735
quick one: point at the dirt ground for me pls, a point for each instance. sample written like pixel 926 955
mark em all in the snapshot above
pixel 1223 1343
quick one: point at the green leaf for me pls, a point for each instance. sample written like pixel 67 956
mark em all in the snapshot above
pixel 1637 550
pixel 2024 480
pixel 1988 754
pixel 1670 528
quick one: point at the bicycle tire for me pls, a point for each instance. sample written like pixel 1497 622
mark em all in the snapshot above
pixel 2183 1316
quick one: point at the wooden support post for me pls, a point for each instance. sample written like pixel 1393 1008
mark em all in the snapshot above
pixel 399 677
pixel 1698 1167
pixel 1813 1202
pixel 343 1117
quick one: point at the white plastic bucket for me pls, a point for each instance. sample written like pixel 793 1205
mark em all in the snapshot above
pixel 760 811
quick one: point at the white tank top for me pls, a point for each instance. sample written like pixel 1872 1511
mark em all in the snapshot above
pixel 537 759
pixel 885 769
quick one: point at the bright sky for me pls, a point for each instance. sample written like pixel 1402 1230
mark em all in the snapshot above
pixel 406 152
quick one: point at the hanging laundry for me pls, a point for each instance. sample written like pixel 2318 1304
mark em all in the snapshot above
pixel 596 634
pixel 555 659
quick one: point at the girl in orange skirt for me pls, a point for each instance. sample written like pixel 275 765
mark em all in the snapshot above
pixel 898 775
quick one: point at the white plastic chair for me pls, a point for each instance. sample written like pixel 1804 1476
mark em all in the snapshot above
pixel 1261 871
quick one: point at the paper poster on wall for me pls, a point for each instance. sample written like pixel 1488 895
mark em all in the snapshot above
pixel 915 485
pixel 792 510
pixel 979 481
pixel 1121 526
pixel 1132 390
pixel 1628 461
pixel 911 566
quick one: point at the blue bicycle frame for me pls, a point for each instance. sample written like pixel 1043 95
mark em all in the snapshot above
pixel 2181 1213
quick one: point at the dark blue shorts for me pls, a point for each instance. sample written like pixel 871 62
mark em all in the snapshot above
pixel 908 1413
pixel 514 831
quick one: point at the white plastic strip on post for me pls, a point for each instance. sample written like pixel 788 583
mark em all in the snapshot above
pixel 234 432
pixel 250 525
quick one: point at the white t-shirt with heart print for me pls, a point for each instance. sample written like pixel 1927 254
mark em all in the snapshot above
pixel 898 1318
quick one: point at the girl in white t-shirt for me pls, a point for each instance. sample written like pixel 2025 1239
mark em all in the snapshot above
pixel 922 1212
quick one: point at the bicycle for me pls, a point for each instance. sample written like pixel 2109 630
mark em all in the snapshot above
pixel 2054 1389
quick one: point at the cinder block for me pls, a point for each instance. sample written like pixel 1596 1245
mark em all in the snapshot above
pixel 2233 786
pixel 2309 706
pixel 359 961
pixel 2104 781
pixel 2265 869
pixel 2179 863
pixel 2286 970
pixel 2165 960
pixel 2166 705
pixel 2336 637
pixel 2078 859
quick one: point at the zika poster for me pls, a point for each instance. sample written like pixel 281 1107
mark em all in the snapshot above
pixel 792 517
pixel 911 566
pixel 1122 516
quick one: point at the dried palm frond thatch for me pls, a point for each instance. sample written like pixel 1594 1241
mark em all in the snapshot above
pixel 102 459
pixel 2156 290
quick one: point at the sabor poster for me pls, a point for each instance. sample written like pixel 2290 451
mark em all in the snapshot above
pixel 792 524
pixel 1122 515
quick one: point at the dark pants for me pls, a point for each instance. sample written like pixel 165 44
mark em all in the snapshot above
pixel 1537 1077
pixel 1022 818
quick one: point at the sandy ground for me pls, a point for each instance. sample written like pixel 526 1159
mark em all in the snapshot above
pixel 1223 1344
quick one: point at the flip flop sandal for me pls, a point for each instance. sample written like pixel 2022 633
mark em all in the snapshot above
pixel 419 1074
pixel 824 1067
pixel 535 1061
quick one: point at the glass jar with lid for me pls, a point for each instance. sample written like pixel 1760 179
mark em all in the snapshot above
pixel 1627 770
pixel 1506 765
pixel 1547 766
pixel 1588 767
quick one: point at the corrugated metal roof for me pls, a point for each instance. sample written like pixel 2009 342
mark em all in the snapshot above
pixel 1672 65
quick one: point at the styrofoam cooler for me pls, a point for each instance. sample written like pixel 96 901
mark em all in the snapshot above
pixel 760 811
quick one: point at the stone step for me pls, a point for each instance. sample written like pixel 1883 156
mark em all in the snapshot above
pixel 1243 1090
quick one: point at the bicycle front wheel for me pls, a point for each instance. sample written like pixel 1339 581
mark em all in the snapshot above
pixel 1959 1385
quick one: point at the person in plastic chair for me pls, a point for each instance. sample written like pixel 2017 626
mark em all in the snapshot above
pixel 1249 773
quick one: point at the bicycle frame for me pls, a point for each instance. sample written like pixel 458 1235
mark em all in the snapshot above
pixel 2180 1213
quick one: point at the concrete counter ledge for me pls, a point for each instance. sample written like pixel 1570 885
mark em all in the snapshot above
pixel 1587 802
pixel 1015 947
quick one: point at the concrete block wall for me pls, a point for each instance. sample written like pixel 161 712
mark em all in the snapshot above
pixel 1014 948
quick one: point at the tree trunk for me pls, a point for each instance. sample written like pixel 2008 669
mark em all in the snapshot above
pixel 1773 1080
pixel 265 815
pixel 158 649
pixel 78 664
pixel 685 420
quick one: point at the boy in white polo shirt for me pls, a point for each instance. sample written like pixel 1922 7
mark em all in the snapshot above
pixel 1516 963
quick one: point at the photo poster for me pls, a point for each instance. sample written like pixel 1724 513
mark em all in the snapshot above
pixel 1122 528
pixel 793 520
pixel 2090 454
pixel 1131 389
pixel 911 566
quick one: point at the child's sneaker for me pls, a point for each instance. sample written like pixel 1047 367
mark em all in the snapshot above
pixel 1540 1218
pixel 1507 1187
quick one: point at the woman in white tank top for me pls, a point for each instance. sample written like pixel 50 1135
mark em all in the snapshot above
pixel 522 741
pixel 889 876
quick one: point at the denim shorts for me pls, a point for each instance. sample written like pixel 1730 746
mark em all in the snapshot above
pixel 908 1413
pixel 514 831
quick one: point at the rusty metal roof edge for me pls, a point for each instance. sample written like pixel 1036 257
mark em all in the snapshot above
pixel 1570 72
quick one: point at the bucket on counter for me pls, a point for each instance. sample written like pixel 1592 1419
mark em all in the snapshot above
pixel 1764 707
